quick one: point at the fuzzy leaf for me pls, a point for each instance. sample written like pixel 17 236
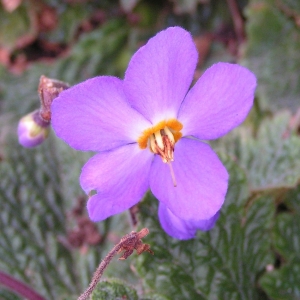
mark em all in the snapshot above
pixel 114 289
pixel 36 195
pixel 271 159
pixel 7 295
pixel 96 53
pixel 32 218
pixel 283 283
pixel 287 240
pixel 273 52
pixel 292 200
pixel 155 297
pixel 19 95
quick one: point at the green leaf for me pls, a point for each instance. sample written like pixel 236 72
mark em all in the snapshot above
pixel 37 191
pixel 7 295
pixel 292 200
pixel 19 94
pixel 96 53
pixel 283 284
pixel 32 218
pixel 154 296
pixel 114 289
pixel 271 158
pixel 223 263
pixel 272 52
pixel 286 239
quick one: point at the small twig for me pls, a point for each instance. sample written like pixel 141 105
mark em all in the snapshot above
pixel 19 287
pixel 237 20
pixel 128 243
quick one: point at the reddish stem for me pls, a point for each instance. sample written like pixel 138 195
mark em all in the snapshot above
pixel 237 20
pixel 19 287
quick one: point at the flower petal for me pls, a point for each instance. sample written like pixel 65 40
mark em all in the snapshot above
pixel 202 181
pixel 180 229
pixel 160 74
pixel 95 115
pixel 120 178
pixel 219 101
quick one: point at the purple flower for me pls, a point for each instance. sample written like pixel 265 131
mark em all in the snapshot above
pixel 32 130
pixel 136 124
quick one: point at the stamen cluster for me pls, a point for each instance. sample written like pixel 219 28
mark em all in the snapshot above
pixel 162 143
pixel 161 139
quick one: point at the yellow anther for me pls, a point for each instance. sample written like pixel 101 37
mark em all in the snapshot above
pixel 159 139
pixel 169 134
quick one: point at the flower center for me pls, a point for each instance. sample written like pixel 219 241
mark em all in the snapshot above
pixel 161 138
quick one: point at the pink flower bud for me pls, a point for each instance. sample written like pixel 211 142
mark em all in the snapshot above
pixel 32 130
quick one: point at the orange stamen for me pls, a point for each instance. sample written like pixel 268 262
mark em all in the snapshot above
pixel 172 124
pixel 161 140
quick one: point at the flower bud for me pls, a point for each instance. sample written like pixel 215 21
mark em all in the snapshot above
pixel 32 130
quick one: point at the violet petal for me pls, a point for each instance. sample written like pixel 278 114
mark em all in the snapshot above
pixel 202 181
pixel 95 115
pixel 181 229
pixel 219 101
pixel 160 74
pixel 119 177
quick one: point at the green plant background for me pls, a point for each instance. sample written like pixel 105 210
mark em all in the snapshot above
pixel 253 252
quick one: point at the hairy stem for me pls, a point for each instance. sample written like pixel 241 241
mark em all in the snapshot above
pixel 127 244
pixel 99 272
